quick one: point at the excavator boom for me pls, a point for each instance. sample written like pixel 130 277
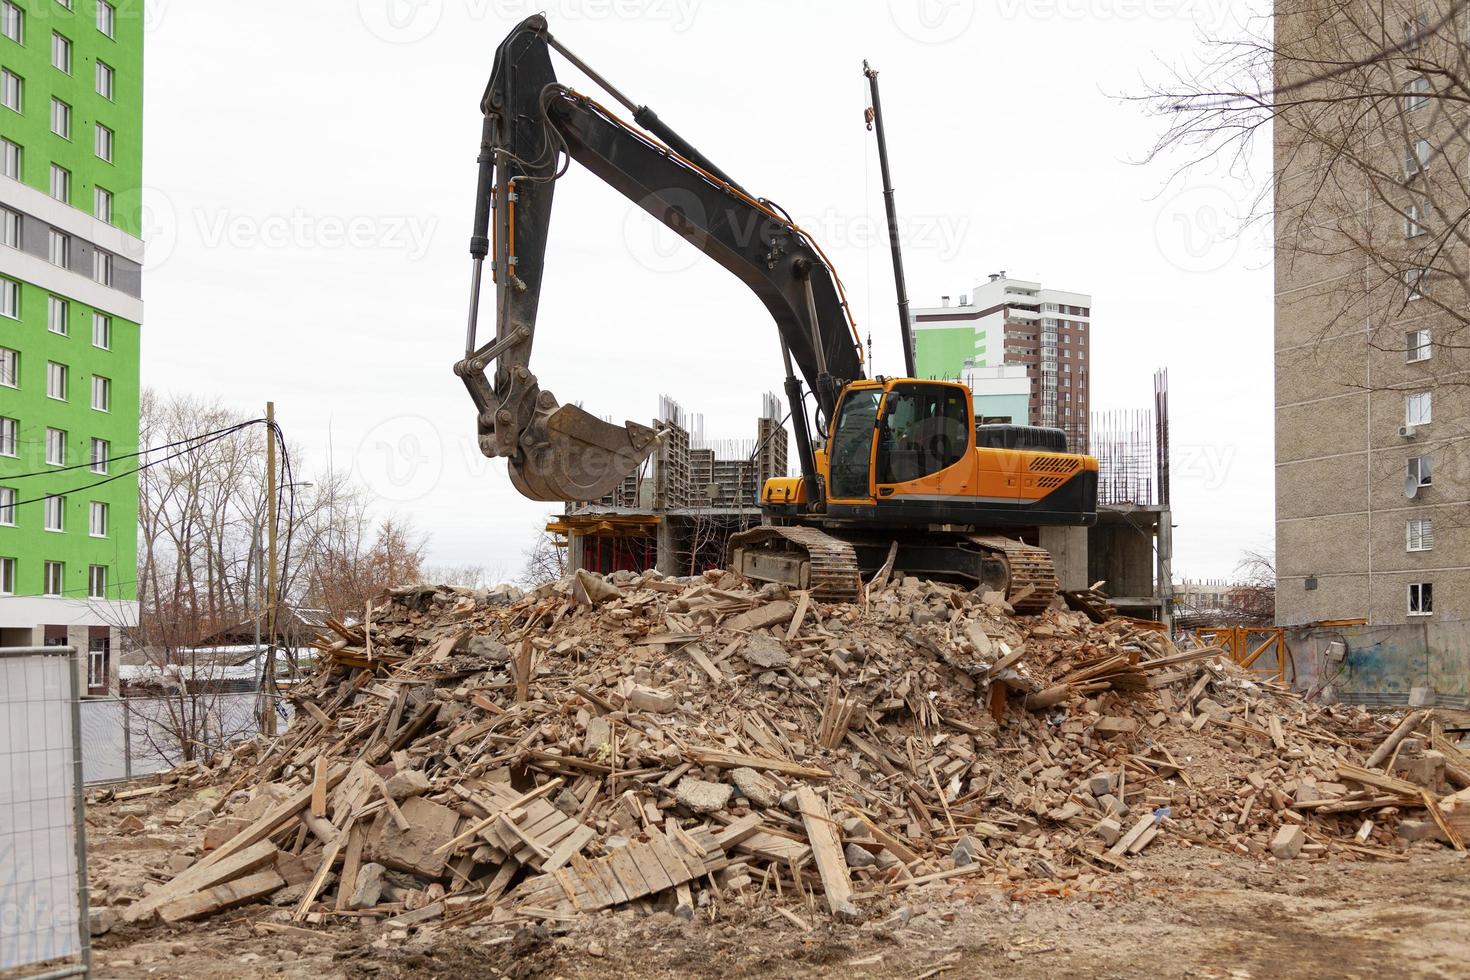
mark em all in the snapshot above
pixel 533 127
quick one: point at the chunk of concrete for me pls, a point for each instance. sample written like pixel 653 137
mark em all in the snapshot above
pixel 966 849
pixel 1102 784
pixel 409 782
pixel 1109 830
pixel 702 796
pixel 766 652
pixel 756 787
pixel 1288 842
pixel 100 920
pixel 369 888
pixel 593 590
pixel 859 857
pixel 651 699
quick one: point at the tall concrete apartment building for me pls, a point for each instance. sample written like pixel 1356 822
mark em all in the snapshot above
pixel 71 157
pixel 1009 321
pixel 1372 482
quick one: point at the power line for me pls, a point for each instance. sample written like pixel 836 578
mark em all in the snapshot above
pixel 137 469
pixel 141 452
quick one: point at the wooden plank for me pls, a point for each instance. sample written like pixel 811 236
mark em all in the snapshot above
pixel 738 831
pixel 1411 721
pixel 351 864
pixel 575 841
pixel 1127 840
pixel 625 871
pixel 650 867
pixel 319 788
pixel 602 896
pixel 802 602
pixel 205 874
pixel 329 858
pixel 827 853
pixel 222 896
pixel 895 846
pixel 736 760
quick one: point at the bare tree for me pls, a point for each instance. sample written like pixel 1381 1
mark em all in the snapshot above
pixel 1367 102
pixel 546 560
pixel 1251 599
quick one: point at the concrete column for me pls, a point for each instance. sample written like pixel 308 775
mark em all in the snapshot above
pixel 576 551
pixel 668 547
pixel 1068 548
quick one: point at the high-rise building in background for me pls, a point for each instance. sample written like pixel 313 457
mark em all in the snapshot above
pixel 71 158
pixel 1009 321
pixel 1371 296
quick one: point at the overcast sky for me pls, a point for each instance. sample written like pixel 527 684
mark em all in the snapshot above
pixel 310 168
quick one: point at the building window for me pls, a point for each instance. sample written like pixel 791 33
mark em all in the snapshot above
pixel 101 393
pixel 8 443
pixel 97 522
pixel 1420 534
pixel 97 582
pixel 56 447
pixel 56 381
pixel 60 53
pixel 59 249
pixel 9 367
pixel 1415 31
pixel 55 508
pixel 10 159
pixel 1418 89
pixel 1421 598
pixel 7 506
pixel 12 90
pixel 58 315
pixel 1416 282
pixel 101 451
pixel 10 298
pixel 1415 218
pixel 106 17
pixel 13 22
pixel 102 267
pixel 9 228
pixel 102 204
pixel 99 653
pixel 105 78
pixel 1419 471
pixel 1418 347
pixel 55 578
pixel 1418 408
pixel 102 331
pixel 61 119
pixel 7 576
pixel 104 143
pixel 1417 157
pixel 61 184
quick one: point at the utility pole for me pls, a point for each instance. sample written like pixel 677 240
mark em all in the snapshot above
pixel 875 119
pixel 268 721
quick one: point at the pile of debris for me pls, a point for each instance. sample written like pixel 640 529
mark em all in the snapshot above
pixel 683 744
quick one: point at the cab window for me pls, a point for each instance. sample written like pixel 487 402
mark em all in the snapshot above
pixel 924 429
pixel 852 444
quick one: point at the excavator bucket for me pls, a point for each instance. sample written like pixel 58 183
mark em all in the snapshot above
pixel 573 455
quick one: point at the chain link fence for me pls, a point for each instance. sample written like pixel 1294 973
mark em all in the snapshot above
pixel 43 852
pixel 125 738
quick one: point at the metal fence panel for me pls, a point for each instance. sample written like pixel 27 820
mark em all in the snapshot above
pixel 132 737
pixel 43 893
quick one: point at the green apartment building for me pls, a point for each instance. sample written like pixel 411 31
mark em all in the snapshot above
pixel 71 159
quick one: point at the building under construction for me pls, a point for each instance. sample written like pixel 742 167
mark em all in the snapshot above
pixel 677 512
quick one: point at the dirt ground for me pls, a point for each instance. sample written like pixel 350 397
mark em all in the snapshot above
pixel 1181 912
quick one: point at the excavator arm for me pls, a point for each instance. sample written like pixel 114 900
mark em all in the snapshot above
pixel 532 128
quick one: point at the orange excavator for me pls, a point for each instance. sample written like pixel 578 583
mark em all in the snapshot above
pixel 892 469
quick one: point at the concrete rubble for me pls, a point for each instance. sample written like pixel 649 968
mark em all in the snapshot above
pixel 683 744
